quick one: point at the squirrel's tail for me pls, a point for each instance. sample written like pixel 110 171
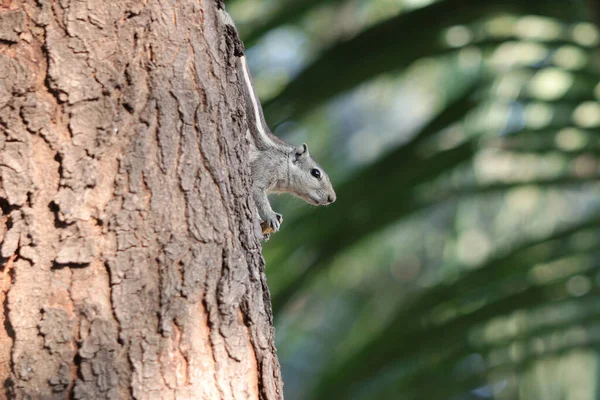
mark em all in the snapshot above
pixel 260 132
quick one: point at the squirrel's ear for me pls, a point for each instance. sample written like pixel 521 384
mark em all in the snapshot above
pixel 301 150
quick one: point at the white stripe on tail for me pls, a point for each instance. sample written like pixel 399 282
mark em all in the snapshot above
pixel 255 106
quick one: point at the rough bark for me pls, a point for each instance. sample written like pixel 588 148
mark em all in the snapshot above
pixel 130 265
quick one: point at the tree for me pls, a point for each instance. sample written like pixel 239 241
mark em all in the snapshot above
pixel 130 265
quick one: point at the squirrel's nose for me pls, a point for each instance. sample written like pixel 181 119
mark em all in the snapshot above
pixel 331 198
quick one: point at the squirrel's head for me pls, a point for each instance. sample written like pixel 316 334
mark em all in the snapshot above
pixel 308 180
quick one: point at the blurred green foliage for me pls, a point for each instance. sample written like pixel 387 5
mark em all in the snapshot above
pixel 460 260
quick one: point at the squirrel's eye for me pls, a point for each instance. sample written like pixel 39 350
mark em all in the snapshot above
pixel 316 173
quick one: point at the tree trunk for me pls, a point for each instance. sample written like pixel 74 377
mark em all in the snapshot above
pixel 130 265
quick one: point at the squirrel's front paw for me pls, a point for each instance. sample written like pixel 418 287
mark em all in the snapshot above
pixel 271 224
pixel 274 221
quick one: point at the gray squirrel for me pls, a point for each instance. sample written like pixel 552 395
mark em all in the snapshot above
pixel 278 166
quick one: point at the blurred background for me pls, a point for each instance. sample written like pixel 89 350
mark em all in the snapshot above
pixel 461 259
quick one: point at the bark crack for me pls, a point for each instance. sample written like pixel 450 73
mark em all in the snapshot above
pixel 6 281
pixel 111 286
pixel 212 346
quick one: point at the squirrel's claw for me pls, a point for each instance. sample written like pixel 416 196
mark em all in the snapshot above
pixel 274 221
pixel 271 225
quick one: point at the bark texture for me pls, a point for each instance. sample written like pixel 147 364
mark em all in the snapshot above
pixel 130 265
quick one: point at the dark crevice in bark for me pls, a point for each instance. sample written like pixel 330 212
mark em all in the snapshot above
pixel 9 388
pixel 77 360
pixel 161 299
pixel 58 158
pixel 211 343
pixel 234 41
pixel 128 107
pixel 57 266
pixel 6 208
pixel 55 210
pixel 112 308
pixel 246 312
pixel 10 331
pixel 124 345
pixel 131 14
pixel 76 374
pixel 57 94
pixel 9 384
pixel 30 199
pixel 58 223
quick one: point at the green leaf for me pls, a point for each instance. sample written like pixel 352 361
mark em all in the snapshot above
pixel 414 329
pixel 390 45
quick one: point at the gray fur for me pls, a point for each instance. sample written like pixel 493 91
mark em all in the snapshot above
pixel 278 166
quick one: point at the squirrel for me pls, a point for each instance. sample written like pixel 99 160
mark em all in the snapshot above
pixel 278 166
